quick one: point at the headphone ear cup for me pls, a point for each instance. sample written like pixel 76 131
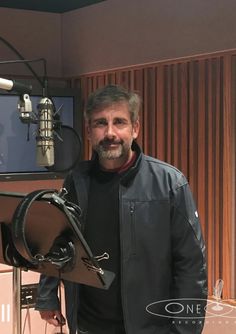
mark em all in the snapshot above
pixel 10 254
pixel 62 253
pixel 19 221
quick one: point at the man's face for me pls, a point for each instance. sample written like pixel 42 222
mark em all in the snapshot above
pixel 111 134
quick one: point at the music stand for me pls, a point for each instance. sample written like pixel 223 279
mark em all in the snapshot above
pixel 46 225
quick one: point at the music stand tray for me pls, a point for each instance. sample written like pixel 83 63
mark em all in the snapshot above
pixel 44 224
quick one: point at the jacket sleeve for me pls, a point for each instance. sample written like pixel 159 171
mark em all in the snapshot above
pixel 189 266
pixel 47 294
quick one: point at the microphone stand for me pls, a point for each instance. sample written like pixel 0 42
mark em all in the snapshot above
pixel 16 282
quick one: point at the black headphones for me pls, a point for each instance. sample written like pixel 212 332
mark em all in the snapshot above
pixel 62 251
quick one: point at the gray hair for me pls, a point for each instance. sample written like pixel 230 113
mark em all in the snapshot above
pixel 107 96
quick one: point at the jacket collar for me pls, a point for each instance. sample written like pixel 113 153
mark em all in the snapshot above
pixel 128 174
pixel 132 171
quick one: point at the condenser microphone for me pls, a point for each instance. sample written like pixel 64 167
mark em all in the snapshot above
pixel 14 86
pixel 44 138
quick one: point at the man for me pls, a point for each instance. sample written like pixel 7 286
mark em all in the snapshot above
pixel 141 212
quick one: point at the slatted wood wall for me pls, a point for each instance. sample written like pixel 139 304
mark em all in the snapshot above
pixel 188 120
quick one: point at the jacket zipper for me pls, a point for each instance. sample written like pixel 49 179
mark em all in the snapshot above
pixel 123 287
pixel 132 228
pixel 122 283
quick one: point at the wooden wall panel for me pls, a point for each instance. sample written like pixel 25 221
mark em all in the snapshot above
pixel 233 237
pixel 188 120
pixel 227 172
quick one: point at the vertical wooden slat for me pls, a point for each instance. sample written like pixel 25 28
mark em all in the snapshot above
pixel 168 118
pixel 150 93
pixel 149 112
pixel 139 88
pixel 233 238
pixel 209 213
pixel 216 170
pixel 227 178
pixel 160 114
pixel 183 124
pixel 200 119
pixel 175 119
pixel 192 158
pixel 101 79
pixel 145 124
pixel 153 110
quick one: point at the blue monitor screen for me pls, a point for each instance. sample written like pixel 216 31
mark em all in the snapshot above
pixel 17 141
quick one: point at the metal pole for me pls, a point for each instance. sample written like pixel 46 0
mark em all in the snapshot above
pixel 16 300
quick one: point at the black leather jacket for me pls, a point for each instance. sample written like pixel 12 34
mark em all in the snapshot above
pixel 162 251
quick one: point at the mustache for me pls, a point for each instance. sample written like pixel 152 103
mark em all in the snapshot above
pixel 107 141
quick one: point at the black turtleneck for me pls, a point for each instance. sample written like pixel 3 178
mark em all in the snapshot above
pixel 98 306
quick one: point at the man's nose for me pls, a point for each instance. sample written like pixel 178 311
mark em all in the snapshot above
pixel 110 131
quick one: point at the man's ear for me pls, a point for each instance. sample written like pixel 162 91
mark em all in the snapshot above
pixel 136 128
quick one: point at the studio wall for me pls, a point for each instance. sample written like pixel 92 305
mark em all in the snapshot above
pixel 118 33
pixel 34 35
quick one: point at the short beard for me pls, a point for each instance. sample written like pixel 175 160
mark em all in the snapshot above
pixel 109 154
pixel 104 152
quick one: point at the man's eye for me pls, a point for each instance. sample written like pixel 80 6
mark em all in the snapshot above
pixel 100 123
pixel 120 121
